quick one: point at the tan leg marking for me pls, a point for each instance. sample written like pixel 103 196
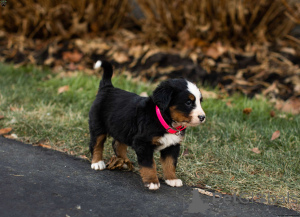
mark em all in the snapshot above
pixel 98 149
pixel 168 168
pixel 149 174
pixel 169 172
pixel 121 150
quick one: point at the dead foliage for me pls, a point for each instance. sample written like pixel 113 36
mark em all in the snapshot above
pixel 195 23
pixel 275 135
pixel 62 18
pixel 274 72
pixel 119 163
pixel 5 131
pixel 236 45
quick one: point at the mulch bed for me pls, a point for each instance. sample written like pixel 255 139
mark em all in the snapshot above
pixel 272 70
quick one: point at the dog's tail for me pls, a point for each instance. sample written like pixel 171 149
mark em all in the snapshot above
pixel 108 71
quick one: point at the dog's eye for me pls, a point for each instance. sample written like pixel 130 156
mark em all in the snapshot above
pixel 201 99
pixel 189 102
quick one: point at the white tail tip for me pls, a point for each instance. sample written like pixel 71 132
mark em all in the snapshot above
pixel 97 64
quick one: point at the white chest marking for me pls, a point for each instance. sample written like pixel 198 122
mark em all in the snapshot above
pixel 168 140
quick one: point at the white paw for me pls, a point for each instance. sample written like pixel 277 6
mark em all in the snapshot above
pixel 174 182
pixel 98 166
pixel 153 186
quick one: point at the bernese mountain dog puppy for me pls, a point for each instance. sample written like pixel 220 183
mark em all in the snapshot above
pixel 146 124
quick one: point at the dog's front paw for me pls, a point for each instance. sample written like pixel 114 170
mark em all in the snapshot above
pixel 174 182
pixel 99 165
pixel 153 186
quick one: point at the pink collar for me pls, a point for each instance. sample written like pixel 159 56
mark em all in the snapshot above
pixel 165 125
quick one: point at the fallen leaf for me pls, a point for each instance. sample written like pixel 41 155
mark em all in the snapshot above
pixel 83 157
pixel 271 89
pixel 44 146
pixel 272 113
pixel 5 131
pixel 72 67
pixel 216 50
pixel 292 106
pixel 1 117
pixel 229 104
pixel 213 52
pixel 232 178
pixel 256 150
pixel 63 89
pixel 201 185
pixel 15 109
pixel 120 57
pixel 11 136
pixel 275 135
pixel 247 111
pixel 74 56
pixel 119 163
pixel 208 193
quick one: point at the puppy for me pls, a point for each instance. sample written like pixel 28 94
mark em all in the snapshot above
pixel 146 124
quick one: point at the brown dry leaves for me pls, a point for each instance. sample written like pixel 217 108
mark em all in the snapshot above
pixel 63 89
pixel 44 146
pixel 290 106
pixel 250 68
pixel 73 57
pixel 207 193
pixel 275 135
pixel 247 111
pixel 119 163
pixel 43 19
pixel 256 150
pixel 5 131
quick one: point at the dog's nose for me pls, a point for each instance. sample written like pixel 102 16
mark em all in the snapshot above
pixel 201 117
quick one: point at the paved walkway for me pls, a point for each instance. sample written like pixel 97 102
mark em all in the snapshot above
pixel 41 182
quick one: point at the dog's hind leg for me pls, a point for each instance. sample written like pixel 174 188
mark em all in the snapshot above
pixel 120 149
pixel 96 147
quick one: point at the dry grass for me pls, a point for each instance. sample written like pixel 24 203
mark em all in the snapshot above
pixel 211 20
pixel 46 18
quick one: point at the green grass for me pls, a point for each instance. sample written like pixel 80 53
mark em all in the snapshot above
pixel 219 151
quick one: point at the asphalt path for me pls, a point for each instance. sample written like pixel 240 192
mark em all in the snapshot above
pixel 35 181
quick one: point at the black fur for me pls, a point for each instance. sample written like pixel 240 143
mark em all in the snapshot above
pixel 132 120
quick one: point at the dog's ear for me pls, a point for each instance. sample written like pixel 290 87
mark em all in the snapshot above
pixel 162 95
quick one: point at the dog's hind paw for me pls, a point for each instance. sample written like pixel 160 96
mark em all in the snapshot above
pixel 153 186
pixel 174 182
pixel 99 165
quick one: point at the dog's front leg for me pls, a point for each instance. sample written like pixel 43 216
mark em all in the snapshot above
pixel 147 166
pixel 168 160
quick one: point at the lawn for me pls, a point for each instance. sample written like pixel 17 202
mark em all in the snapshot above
pixel 217 155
